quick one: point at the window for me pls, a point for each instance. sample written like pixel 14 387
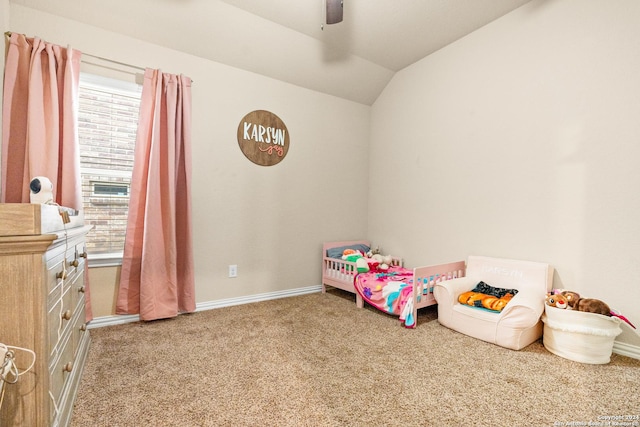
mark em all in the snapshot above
pixel 110 189
pixel 107 125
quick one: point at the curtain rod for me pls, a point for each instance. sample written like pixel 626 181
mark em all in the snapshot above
pixel 8 34
pixel 124 64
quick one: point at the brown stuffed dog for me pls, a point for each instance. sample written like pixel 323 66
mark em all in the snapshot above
pixel 571 297
pixel 590 305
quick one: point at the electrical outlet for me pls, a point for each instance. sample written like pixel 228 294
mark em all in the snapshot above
pixel 233 270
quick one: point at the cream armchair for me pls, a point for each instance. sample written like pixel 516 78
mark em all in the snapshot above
pixel 518 324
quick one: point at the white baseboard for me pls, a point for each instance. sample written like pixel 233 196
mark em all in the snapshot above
pixel 116 319
pixel 102 321
pixel 625 349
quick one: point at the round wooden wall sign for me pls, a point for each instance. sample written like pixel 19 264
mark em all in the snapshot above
pixel 263 138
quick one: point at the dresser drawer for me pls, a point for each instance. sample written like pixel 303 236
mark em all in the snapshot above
pixel 65 261
pixel 79 328
pixel 77 289
pixel 55 270
pixel 81 250
pixel 60 372
pixel 59 315
pixel 75 258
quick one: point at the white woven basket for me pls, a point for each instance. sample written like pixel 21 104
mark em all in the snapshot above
pixel 579 336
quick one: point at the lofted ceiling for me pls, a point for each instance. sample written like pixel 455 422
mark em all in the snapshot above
pixel 285 39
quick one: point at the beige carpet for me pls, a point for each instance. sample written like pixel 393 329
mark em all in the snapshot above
pixel 316 360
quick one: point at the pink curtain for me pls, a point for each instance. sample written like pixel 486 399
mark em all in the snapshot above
pixel 39 128
pixel 157 279
pixel 40 124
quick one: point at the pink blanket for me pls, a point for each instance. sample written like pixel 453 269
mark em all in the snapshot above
pixel 390 291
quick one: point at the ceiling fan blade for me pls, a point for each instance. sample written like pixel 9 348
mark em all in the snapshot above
pixel 334 11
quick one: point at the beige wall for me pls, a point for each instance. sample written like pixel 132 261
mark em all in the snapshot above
pixel 270 221
pixel 103 282
pixel 520 141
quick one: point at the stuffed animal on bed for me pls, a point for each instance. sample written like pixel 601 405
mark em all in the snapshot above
pixel 384 261
pixel 352 255
pixel 373 252
pixel 362 265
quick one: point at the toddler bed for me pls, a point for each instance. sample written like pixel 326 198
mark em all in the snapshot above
pixel 339 273
pixel 399 291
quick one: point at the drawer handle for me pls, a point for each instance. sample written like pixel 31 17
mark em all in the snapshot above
pixel 66 315
pixel 68 367
pixel 61 275
pixel 83 254
pixel 74 263
pixel 81 289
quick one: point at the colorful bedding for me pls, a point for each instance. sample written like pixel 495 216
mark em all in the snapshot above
pixel 390 292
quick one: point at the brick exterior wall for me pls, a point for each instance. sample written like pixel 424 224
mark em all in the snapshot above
pixel 107 133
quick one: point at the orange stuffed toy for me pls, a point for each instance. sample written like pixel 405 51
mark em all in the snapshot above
pixel 469 298
pixel 495 303
pixel 477 299
pixel 487 296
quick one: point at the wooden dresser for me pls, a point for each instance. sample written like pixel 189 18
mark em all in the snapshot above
pixel 42 308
